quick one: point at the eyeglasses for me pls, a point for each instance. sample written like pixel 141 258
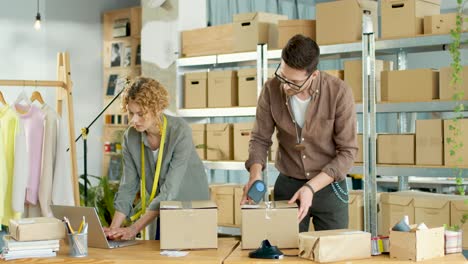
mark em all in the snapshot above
pixel 294 86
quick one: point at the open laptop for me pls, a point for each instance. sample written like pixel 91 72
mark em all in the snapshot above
pixel 96 236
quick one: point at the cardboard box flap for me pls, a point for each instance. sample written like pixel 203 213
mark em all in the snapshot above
pixel 329 233
pixel 430 202
pixel 196 75
pixel 197 127
pixel 247 72
pixel 391 198
pixel 221 74
pixel 272 205
pixel 460 205
pixel 217 127
pixel 296 22
pixel 259 17
pixel 168 205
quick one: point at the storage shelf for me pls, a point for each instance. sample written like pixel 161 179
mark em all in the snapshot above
pixel 431 106
pixel 196 61
pixel 383 170
pixel 217 112
pixel 423 43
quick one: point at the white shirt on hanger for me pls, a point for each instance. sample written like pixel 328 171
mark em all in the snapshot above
pixel 299 108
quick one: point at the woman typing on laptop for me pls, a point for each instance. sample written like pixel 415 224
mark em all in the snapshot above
pixel 159 160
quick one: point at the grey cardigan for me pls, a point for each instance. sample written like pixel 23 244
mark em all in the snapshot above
pixel 182 177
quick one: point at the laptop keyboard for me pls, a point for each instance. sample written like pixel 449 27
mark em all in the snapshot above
pixel 120 243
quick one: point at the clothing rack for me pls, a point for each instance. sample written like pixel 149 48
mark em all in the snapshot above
pixel 63 86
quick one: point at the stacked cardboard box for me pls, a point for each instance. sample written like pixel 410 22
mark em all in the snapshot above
pixel 410 85
pixel 462 125
pixel 353 76
pixel 440 24
pixel 219 142
pixel 226 196
pixel 289 28
pixel 341 21
pixel 199 139
pixel 208 41
pixel 429 142
pixel 222 88
pixel 242 133
pixel 251 29
pixel 195 92
pixel 395 149
pixel 446 91
pixel 405 18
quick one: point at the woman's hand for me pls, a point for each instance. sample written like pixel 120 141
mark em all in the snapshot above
pixel 121 233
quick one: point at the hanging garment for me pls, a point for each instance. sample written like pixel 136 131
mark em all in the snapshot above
pixel 55 186
pixel 33 121
pixel 10 132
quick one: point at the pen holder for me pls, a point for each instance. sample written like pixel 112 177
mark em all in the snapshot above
pixel 78 245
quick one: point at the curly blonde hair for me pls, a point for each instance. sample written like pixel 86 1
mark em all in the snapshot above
pixel 148 93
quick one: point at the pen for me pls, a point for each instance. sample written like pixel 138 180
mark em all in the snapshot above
pixel 81 225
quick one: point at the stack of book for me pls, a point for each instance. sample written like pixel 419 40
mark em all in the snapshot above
pixel 14 249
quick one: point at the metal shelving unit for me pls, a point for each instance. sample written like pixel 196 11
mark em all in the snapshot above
pixel 398 47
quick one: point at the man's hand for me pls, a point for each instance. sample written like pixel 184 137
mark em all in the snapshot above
pixel 245 198
pixel 305 196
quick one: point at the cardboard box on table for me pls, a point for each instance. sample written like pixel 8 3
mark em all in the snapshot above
pixel 275 221
pixel 188 225
pixel 335 245
pixel 36 228
pixel 417 246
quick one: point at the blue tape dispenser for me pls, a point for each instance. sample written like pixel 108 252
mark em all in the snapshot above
pixel 257 191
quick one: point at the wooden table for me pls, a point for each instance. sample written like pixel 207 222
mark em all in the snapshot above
pixel 239 256
pixel 145 252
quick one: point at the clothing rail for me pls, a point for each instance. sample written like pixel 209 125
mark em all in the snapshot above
pixel 52 84
pixel 63 86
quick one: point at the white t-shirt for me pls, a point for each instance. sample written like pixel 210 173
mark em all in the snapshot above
pixel 299 108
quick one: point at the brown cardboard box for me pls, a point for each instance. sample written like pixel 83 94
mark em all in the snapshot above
pixel 404 18
pixel 360 155
pixel 199 139
pixel 356 209
pixel 463 138
pixel 251 29
pixel 429 142
pixel 353 76
pixel 417 246
pixel 195 90
pixel 458 208
pixel 277 224
pixel 289 28
pixel 335 245
pixel 409 85
pixel 337 73
pixel 238 192
pixel 248 86
pixel 222 89
pixel 242 133
pixel 440 24
pixel 208 41
pixel 224 197
pixel 219 142
pixel 395 149
pixel 188 225
pixel 36 228
pixel 341 21
pixel 274 146
pixel 394 207
pixel 446 91
pixel 432 209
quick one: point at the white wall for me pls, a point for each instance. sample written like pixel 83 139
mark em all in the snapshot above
pixel 68 25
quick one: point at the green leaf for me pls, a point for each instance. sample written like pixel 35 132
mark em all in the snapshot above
pixel 452 152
